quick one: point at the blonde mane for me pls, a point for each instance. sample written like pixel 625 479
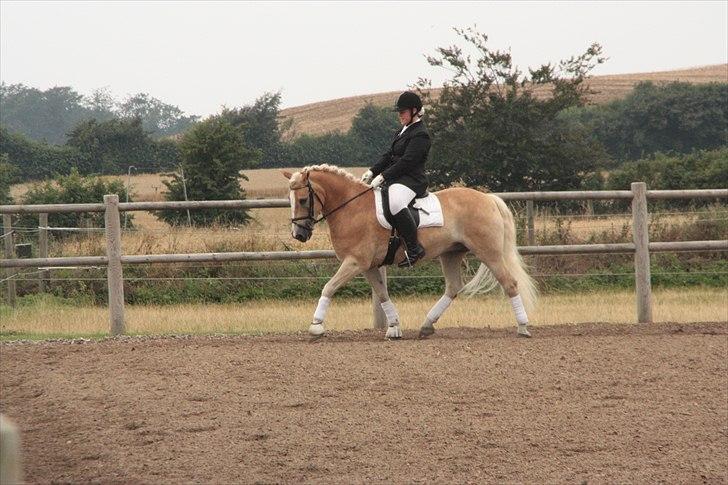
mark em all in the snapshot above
pixel 325 167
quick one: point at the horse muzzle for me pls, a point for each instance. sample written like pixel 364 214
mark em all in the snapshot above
pixel 302 234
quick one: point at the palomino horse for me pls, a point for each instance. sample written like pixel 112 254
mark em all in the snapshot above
pixel 473 222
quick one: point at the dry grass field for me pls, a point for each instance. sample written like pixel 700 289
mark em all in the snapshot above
pixel 270 228
pixel 275 316
pixel 337 114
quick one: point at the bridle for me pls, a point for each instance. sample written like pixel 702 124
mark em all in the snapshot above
pixel 313 195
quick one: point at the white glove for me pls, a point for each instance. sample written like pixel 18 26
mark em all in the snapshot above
pixel 378 180
pixel 367 176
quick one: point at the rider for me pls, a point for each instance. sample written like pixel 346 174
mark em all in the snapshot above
pixel 402 171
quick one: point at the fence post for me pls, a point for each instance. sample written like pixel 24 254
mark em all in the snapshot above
pixel 640 235
pixel 9 254
pixel 43 249
pixel 529 215
pixel 379 319
pixel 114 273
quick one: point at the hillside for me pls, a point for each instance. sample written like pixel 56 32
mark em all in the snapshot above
pixel 337 114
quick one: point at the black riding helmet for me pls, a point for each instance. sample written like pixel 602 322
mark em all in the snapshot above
pixel 408 100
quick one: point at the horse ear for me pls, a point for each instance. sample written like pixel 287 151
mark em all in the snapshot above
pixel 287 174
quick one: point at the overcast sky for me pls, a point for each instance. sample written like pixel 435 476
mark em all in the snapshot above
pixel 200 56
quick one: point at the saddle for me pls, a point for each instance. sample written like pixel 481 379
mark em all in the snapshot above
pixel 426 212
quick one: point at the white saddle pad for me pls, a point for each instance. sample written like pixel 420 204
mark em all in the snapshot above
pixel 430 215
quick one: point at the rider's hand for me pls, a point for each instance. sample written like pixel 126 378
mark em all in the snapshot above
pixel 378 180
pixel 367 176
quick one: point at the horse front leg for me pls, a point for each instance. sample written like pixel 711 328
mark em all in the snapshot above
pixel 374 276
pixel 349 269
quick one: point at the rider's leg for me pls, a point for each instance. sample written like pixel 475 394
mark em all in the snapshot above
pixel 399 198
pixel 349 268
pixel 380 289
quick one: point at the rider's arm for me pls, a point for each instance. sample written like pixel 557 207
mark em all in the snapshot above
pixel 413 156
pixel 382 164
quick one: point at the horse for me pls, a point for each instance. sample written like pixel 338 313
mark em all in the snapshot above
pixel 475 222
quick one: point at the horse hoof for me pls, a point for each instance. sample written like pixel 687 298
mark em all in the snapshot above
pixel 393 333
pixel 523 332
pixel 426 331
pixel 316 329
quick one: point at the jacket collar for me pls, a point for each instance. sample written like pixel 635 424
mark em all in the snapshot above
pixel 410 127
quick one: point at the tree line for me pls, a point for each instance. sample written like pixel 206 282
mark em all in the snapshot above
pixel 490 130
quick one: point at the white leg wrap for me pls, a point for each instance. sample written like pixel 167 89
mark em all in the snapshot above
pixel 519 310
pixel 391 312
pixel 439 308
pixel 323 306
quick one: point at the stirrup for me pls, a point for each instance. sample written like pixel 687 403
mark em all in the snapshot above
pixel 410 261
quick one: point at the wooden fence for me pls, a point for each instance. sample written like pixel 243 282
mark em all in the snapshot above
pixel 115 259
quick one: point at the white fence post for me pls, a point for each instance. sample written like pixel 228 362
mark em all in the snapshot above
pixel 9 254
pixel 640 235
pixel 114 273
pixel 43 249
pixel 379 319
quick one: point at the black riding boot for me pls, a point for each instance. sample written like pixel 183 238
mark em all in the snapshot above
pixel 405 225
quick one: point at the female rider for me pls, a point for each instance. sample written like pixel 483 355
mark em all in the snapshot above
pixel 401 171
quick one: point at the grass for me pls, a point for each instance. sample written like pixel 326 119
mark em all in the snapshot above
pixel 30 319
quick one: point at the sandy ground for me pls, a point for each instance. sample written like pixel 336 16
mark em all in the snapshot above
pixel 593 402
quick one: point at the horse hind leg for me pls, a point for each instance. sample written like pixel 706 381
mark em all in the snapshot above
pixel 453 284
pixel 375 279
pixel 497 266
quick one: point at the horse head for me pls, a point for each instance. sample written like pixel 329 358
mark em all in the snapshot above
pixel 306 204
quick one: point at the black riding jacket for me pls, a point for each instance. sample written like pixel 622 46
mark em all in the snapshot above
pixel 404 163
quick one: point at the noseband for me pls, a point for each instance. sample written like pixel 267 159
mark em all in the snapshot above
pixel 311 195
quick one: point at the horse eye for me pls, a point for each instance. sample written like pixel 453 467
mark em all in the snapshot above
pixel 303 201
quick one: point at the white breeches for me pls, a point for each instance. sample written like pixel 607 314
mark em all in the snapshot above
pixel 399 197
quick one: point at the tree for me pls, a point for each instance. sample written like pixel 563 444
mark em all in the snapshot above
pixel 158 118
pixel 47 116
pixel 373 127
pixel 261 128
pixel 41 115
pixel 340 149
pixel 112 146
pixel 674 117
pixel 213 154
pixel 33 160
pixel 491 129
pixel 7 177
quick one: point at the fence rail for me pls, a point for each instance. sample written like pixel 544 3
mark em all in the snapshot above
pixel 115 259
pixel 277 203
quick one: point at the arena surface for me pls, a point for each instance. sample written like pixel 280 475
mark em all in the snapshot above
pixel 597 403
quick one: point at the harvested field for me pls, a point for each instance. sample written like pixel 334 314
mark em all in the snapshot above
pixel 337 114
pixel 591 402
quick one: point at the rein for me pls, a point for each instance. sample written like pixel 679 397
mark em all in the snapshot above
pixel 311 194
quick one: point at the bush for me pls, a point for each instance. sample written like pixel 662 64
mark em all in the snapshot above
pixel 705 169
pixel 37 160
pixel 676 117
pixel 71 189
pixel 340 149
pixel 213 154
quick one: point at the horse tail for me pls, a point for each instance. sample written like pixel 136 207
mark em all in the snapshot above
pixel 484 281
